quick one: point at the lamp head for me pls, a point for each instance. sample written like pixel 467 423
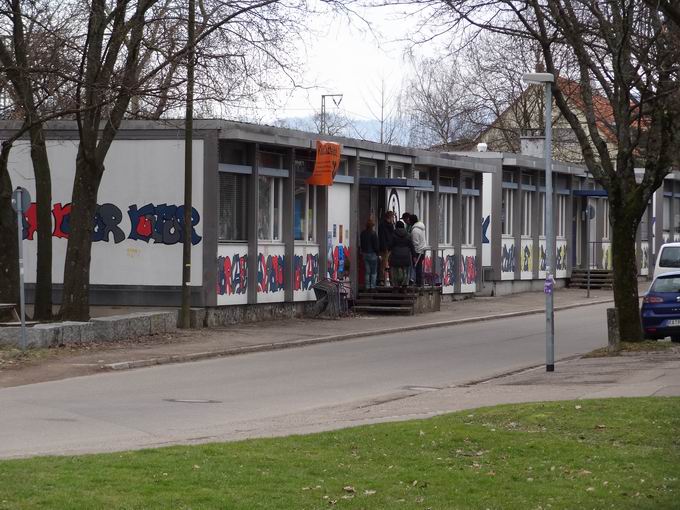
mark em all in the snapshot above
pixel 538 78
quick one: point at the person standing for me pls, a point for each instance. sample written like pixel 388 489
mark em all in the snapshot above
pixel 406 218
pixel 419 242
pixel 385 237
pixel 401 255
pixel 368 243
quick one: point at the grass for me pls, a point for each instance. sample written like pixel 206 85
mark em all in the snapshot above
pixel 625 347
pixel 616 453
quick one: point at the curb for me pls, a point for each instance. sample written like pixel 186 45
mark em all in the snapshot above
pixel 234 351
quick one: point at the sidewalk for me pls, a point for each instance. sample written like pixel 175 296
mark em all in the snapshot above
pixel 242 338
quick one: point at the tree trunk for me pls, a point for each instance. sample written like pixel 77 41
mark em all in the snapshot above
pixel 43 190
pixel 75 303
pixel 626 297
pixel 9 254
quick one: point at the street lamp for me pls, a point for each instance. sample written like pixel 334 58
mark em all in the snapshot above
pixel 548 79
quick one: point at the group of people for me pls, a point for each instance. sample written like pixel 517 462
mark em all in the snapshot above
pixel 397 249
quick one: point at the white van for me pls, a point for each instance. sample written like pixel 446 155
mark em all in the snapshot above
pixel 668 259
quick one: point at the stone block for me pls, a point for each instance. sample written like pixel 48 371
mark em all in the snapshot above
pixel 102 330
pixel 162 322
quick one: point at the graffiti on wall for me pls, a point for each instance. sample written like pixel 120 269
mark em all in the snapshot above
pixel 232 275
pixel 485 228
pixel 306 269
pixel 606 256
pixel 526 263
pixel 644 257
pixel 561 258
pixel 270 273
pixel 541 267
pixel 161 223
pixel 448 267
pixel 427 264
pixel 468 269
pixel 338 261
pixel 508 258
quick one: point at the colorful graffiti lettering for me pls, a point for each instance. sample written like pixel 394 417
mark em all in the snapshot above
pixel 561 259
pixel 338 261
pixel 526 259
pixel 644 257
pixel 270 273
pixel 162 223
pixel 508 258
pixel 427 264
pixel 541 266
pixel 447 264
pixel 485 227
pixel 232 275
pixel 468 269
pixel 306 270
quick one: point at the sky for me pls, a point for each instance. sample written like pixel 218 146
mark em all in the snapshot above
pixel 347 57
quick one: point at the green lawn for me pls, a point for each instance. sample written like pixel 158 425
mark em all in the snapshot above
pixel 617 453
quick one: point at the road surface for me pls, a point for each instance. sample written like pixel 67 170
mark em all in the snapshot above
pixel 246 396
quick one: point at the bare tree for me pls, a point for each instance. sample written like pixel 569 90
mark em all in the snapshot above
pixel 31 56
pixel 622 101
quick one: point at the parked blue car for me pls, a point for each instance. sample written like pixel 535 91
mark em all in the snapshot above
pixel 661 308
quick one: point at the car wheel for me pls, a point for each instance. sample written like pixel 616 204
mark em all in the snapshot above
pixel 675 338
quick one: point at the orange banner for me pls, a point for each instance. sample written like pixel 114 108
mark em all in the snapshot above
pixel 326 164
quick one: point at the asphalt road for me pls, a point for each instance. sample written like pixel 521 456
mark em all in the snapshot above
pixel 242 396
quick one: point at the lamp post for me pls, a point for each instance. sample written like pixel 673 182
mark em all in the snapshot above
pixel 547 79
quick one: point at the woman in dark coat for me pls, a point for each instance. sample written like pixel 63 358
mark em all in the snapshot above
pixel 368 241
pixel 401 255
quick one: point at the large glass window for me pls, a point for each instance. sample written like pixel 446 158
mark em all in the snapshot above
pixel 446 219
pixel 561 215
pixel 305 212
pixel 527 199
pixel 507 211
pixel 421 209
pixel 468 220
pixel 605 212
pixel 269 215
pixel 666 214
pixel 541 215
pixel 233 207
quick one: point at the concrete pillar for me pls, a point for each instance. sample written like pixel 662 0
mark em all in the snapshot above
pixel 570 226
pixel 288 226
pixel 535 227
pixel 658 226
pixel 517 223
pixel 353 169
pixel 599 233
pixel 433 227
pixel 211 190
pixel 496 239
pixel 322 228
pixel 479 215
pixel 457 237
pixel 253 202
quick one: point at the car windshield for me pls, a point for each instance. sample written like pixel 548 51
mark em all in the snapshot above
pixel 670 257
pixel 667 284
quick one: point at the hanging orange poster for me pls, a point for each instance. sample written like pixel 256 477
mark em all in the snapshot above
pixel 326 164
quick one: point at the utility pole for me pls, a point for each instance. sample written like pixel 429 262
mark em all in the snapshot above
pixel 322 122
pixel 185 317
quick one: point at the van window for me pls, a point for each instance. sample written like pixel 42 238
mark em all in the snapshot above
pixel 670 257
pixel 666 284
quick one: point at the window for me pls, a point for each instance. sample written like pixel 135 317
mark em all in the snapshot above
pixel 421 209
pixel 269 215
pixel 446 219
pixel 527 199
pixel 507 210
pixel 666 284
pixel 561 215
pixel 468 221
pixel 666 214
pixel 233 207
pixel 305 212
pixel 368 170
pixel 396 172
pixel 605 212
pixel 670 257
pixel 541 215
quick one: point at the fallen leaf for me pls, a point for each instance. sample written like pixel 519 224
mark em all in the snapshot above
pixel 348 488
pixel 369 492
pixel 577 407
pixel 600 426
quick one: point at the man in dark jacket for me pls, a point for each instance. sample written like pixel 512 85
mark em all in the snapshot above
pixel 401 255
pixel 368 241
pixel 385 236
